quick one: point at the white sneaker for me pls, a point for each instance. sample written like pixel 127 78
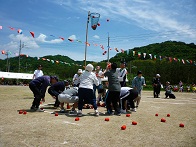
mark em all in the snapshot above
pixel 133 109
pixel 96 113
pixel 39 110
pixel 123 111
pixel 79 113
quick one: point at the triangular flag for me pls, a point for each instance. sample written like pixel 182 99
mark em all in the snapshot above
pixel 150 56
pixel 155 57
pixel 32 34
pixel 1 27
pixel 183 61
pixel 116 49
pixel 19 31
pixel 133 53
pixel 144 54
pixel 139 54
pixel 122 51
pixel 160 57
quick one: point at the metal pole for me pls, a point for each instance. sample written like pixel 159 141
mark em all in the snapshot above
pixel 86 38
pixel 7 62
pixel 108 46
pixel 19 57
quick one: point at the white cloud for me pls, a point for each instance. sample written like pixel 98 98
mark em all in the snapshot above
pixel 96 36
pixel 42 38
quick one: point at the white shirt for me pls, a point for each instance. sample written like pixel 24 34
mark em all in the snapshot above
pixel 76 79
pixel 38 73
pixel 121 73
pixel 87 79
pixel 124 92
pixel 100 73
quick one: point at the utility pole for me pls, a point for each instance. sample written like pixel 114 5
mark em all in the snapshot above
pixel 86 38
pixel 20 47
pixel 108 46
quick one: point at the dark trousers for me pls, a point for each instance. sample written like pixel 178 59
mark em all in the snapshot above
pixel 171 95
pixel 55 93
pixel 156 91
pixel 132 95
pixel 86 96
pixel 113 97
pixel 123 84
pixel 37 95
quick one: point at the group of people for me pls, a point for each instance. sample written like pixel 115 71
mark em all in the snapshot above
pixel 119 98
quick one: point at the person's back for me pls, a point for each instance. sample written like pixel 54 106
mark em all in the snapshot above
pixel 87 80
pixel 38 72
pixel 114 84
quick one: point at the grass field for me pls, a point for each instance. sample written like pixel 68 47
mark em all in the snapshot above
pixel 46 130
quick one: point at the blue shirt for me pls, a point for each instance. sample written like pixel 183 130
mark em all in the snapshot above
pixel 138 83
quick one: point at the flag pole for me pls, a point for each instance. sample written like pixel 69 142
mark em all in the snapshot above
pixel 86 38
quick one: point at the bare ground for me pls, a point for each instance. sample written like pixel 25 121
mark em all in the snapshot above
pixel 45 130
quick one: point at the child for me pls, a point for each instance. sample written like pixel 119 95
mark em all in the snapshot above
pixel 168 91
pixel 114 87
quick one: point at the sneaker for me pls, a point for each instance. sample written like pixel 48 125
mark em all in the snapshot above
pixel 79 113
pixel 39 110
pixel 73 112
pixel 117 113
pixel 96 113
pixel 133 109
pixel 33 108
pixel 62 110
pixel 123 111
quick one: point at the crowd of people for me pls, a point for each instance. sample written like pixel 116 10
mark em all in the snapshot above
pixel 87 88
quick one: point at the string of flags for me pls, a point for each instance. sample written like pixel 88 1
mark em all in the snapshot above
pixel 154 57
pixel 139 54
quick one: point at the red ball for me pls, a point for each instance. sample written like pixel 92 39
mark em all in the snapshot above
pixel 163 120
pixel 25 112
pixel 134 123
pixel 123 127
pixel 181 125
pixel 56 114
pixel 77 119
pixel 107 119
pixel 128 115
pixel 20 112
pixel 156 114
pixel 168 115
pixel 103 105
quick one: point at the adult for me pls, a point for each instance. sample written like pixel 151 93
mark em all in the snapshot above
pixel 85 92
pixel 137 84
pixel 114 87
pixel 128 94
pixel 122 74
pixel 69 96
pixel 76 78
pixel 38 86
pixel 99 88
pixel 56 89
pixel 156 83
pixel 38 72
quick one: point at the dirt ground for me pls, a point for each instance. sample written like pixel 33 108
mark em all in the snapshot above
pixel 46 130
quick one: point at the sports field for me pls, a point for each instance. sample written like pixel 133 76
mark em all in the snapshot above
pixel 45 129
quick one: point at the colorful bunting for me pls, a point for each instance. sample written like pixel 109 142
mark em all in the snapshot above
pixel 155 57
pixel 104 52
pixel 150 56
pixel 122 51
pixel 19 31
pixel 139 54
pixel 71 40
pixel 144 54
pixel 1 27
pixel 133 53
pixel 11 28
pixel 3 52
pixel 116 49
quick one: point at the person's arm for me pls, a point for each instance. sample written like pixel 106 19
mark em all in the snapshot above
pixel 96 81
pixel 144 82
pixel 44 86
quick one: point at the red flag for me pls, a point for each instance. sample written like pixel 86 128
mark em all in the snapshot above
pixel 116 49
pixel 3 52
pixel 62 38
pixel 32 34
pixel 11 28
pixel 88 44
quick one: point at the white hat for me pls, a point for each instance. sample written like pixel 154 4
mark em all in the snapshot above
pixel 158 75
pixel 89 67
pixel 79 70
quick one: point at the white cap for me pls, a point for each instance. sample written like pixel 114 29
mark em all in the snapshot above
pixel 158 75
pixel 79 70
pixel 89 67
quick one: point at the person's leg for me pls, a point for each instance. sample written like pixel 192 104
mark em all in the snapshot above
pixel 81 95
pixel 154 91
pixel 108 102
pixel 115 100
pixel 55 93
pixel 37 96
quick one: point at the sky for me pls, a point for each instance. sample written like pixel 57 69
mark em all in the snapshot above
pixel 128 23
